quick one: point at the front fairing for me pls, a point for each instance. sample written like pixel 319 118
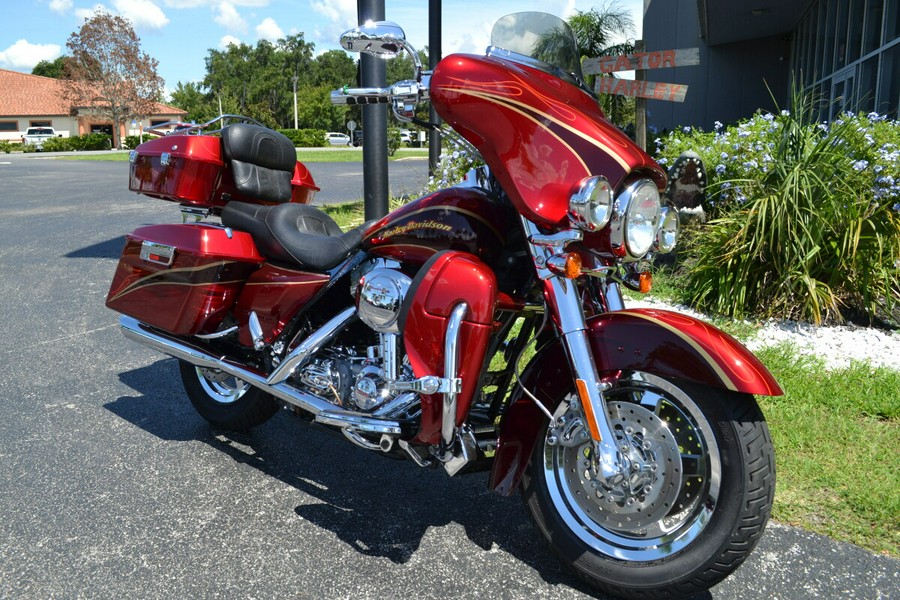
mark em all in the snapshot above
pixel 539 134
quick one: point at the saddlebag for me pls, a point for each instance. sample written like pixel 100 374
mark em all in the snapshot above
pixel 210 171
pixel 183 279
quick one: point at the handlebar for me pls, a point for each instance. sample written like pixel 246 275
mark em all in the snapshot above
pixel 354 96
pixel 403 95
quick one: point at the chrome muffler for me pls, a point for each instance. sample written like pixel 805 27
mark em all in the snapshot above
pixel 184 350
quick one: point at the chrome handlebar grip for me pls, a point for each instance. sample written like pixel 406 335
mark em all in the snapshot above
pixel 355 96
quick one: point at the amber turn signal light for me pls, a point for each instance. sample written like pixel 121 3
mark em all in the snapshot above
pixel 568 265
pixel 646 282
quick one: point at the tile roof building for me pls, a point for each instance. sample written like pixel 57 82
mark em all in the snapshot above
pixel 33 101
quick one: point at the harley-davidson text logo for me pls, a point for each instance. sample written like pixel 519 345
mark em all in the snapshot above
pixel 408 227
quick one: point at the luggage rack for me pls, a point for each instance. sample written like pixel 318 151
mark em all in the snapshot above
pixel 180 128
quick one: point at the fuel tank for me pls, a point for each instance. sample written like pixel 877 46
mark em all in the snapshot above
pixel 539 134
pixel 459 218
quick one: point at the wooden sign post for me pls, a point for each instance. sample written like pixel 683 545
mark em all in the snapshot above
pixel 638 88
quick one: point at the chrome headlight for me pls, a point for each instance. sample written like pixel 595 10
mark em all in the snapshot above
pixel 635 219
pixel 667 234
pixel 590 206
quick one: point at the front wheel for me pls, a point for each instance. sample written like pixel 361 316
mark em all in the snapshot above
pixel 691 501
pixel 224 400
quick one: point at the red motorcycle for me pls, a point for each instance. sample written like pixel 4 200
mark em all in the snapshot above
pixel 633 435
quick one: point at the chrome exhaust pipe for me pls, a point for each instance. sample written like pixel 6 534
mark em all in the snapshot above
pixel 184 350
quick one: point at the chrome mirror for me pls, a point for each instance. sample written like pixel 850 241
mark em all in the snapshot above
pixel 380 38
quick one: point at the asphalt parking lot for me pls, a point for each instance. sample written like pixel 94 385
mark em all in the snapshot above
pixel 111 486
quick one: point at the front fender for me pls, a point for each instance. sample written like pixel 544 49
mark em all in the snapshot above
pixel 660 342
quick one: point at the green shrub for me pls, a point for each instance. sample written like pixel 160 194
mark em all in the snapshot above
pixel 806 216
pixel 133 141
pixel 306 138
pixel 393 140
pixel 57 144
pixel 6 146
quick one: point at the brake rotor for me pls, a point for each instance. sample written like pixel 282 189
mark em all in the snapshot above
pixel 648 486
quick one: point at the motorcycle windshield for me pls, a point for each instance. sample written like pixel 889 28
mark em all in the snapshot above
pixel 541 38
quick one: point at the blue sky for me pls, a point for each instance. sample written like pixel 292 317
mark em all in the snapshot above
pixel 178 33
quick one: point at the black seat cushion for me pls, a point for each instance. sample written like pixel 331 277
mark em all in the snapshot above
pixel 261 160
pixel 294 233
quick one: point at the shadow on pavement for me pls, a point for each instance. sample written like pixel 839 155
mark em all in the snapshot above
pixel 377 506
pixel 108 249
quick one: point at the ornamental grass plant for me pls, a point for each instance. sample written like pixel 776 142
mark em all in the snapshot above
pixel 804 216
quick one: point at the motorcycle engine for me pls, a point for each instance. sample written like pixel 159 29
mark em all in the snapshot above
pixel 358 382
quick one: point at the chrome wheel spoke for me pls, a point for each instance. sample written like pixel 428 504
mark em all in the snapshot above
pixel 221 387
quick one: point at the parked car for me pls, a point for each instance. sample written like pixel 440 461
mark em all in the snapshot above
pixel 357 137
pixel 35 136
pixel 337 139
pixel 405 137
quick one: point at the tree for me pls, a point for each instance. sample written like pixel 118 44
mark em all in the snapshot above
pixel 334 68
pixel 110 75
pixel 595 31
pixel 48 68
pixel 199 106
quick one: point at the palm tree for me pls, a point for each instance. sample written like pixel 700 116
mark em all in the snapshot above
pixel 595 31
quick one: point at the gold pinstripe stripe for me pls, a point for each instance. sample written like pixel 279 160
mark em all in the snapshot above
pixel 133 288
pixel 317 281
pixel 382 247
pixel 512 104
pixel 703 353
pixel 143 281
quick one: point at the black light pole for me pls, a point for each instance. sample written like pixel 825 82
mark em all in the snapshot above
pixel 375 148
pixel 434 56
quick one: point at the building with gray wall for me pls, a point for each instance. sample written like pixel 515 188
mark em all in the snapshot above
pixel 847 51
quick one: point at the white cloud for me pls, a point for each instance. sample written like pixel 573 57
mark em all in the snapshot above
pixel 269 30
pixel 87 13
pixel 143 14
pixel 229 18
pixel 213 3
pixel 337 11
pixel 60 6
pixel 228 40
pixel 24 56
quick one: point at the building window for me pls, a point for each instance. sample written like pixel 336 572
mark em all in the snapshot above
pixel 158 122
pixel 41 124
pixel 889 97
pixel 9 125
pixel 874 19
pixel 102 128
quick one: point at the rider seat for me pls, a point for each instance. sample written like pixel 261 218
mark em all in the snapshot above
pixel 294 233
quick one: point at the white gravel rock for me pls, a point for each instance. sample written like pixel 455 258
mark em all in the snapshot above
pixel 837 346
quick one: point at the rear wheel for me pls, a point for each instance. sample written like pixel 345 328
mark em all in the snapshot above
pixel 224 400
pixel 690 504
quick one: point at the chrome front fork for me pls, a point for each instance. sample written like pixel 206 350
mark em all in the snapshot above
pixel 566 303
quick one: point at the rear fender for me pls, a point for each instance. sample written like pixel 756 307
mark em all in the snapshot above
pixel 659 342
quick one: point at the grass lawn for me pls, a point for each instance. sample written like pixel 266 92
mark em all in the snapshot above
pixel 835 435
pixel 311 155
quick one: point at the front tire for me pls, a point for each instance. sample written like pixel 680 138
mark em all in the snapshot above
pixel 225 401
pixel 694 502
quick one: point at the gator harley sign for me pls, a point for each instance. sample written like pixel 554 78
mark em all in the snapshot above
pixel 641 61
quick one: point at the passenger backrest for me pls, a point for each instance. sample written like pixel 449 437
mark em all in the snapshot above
pixel 261 160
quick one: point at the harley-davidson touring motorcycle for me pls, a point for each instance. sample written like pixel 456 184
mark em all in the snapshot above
pixel 480 327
